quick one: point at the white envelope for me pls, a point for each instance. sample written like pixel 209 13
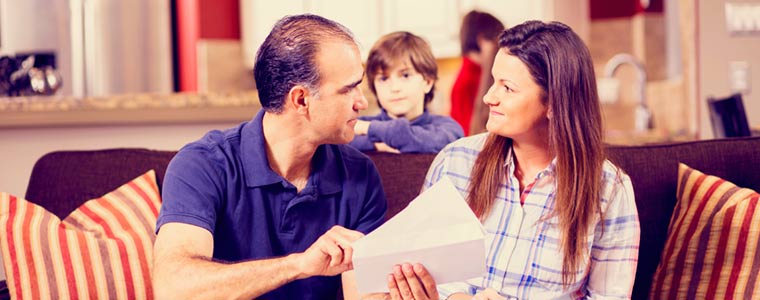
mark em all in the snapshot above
pixel 437 229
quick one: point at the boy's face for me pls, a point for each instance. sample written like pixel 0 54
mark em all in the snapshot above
pixel 401 90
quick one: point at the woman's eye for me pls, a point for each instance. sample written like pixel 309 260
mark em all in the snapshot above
pixel 382 78
pixel 508 89
pixel 406 75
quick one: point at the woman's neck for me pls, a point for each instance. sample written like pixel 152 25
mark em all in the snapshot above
pixel 530 159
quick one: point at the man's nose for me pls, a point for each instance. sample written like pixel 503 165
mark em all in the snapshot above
pixel 360 102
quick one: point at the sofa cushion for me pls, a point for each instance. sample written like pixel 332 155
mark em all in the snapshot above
pixel 654 173
pixel 402 176
pixel 712 248
pixel 102 250
pixel 61 181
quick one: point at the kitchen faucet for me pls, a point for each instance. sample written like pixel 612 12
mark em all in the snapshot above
pixel 642 117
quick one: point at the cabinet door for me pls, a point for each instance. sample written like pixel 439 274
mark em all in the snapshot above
pixel 258 17
pixel 361 17
pixel 511 12
pixel 435 20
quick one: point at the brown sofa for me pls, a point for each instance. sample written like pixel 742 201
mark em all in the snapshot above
pixel 61 181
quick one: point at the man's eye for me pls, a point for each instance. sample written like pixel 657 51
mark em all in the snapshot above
pixel 508 89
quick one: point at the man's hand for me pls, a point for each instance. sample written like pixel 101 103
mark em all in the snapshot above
pixel 383 147
pixel 361 127
pixel 411 282
pixel 330 254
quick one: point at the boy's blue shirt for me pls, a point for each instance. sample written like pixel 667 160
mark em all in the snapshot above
pixel 427 133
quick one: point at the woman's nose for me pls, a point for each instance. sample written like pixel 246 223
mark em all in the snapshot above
pixel 488 98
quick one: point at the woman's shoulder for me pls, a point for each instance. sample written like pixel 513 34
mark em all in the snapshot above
pixel 612 174
pixel 461 153
pixel 469 144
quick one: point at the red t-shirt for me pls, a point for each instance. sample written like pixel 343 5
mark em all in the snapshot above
pixel 463 93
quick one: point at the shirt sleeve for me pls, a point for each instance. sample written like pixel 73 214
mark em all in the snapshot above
pixel 446 290
pixel 407 138
pixel 191 190
pixel 615 252
pixel 362 143
pixel 375 205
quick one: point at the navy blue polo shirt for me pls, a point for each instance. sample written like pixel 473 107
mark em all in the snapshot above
pixel 223 183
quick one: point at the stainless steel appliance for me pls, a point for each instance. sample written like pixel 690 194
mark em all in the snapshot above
pixel 102 47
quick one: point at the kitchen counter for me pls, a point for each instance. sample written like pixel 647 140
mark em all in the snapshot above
pixel 180 108
pixel 652 136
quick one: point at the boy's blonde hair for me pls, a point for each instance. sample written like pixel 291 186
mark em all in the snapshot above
pixel 393 48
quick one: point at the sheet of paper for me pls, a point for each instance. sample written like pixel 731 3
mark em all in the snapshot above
pixel 436 229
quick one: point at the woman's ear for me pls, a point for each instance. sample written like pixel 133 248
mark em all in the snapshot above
pixel 549 113
pixel 298 99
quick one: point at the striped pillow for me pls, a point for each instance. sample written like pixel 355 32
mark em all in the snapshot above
pixel 102 250
pixel 712 248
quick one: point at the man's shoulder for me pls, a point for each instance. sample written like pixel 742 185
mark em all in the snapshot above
pixel 217 138
pixel 215 146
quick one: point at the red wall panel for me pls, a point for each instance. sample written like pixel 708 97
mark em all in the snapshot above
pixel 604 9
pixel 220 19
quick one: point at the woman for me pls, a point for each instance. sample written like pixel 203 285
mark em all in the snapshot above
pixel 561 221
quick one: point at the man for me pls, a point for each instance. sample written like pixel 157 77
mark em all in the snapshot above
pixel 269 208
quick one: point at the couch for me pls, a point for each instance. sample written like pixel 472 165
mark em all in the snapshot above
pixel 61 181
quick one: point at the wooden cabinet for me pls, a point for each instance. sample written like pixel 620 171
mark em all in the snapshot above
pixel 437 21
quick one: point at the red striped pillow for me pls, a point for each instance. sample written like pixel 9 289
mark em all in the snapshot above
pixel 102 250
pixel 712 248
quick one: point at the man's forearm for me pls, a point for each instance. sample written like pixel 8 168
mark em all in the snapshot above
pixel 202 278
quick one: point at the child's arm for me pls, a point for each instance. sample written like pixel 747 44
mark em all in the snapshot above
pixel 424 138
pixel 362 143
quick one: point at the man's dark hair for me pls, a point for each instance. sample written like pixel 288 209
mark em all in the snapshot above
pixel 474 24
pixel 288 57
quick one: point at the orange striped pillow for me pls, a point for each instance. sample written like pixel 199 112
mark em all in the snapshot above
pixel 712 248
pixel 102 250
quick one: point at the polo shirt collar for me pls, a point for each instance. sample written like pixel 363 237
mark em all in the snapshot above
pixel 327 170
pixel 254 154
pixel 326 175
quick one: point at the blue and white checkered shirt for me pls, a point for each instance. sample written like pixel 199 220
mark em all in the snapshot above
pixel 523 258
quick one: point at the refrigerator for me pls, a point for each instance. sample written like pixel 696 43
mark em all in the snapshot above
pixel 102 47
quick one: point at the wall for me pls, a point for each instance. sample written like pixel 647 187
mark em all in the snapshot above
pixel 22 147
pixel 716 50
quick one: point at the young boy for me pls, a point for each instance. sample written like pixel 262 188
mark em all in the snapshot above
pixel 401 72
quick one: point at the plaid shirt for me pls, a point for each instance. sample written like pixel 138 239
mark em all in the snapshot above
pixel 523 257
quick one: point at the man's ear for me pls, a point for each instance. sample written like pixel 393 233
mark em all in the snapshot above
pixel 298 99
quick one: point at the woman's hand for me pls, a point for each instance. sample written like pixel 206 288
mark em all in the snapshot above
pixel 488 294
pixel 411 282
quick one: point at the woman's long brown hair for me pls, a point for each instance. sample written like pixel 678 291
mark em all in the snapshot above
pixel 560 63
